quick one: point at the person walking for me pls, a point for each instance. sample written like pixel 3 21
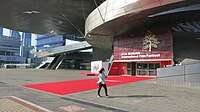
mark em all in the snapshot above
pixel 102 82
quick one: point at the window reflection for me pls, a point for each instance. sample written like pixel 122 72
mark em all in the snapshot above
pixel 147 69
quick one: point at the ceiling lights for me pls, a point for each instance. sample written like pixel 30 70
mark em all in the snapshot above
pixel 31 12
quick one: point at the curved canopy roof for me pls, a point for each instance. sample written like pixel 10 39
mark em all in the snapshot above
pixel 46 16
pixel 125 17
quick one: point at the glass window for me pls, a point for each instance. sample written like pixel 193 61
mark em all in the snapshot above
pixel 157 65
pixel 147 68
pixel 139 66
pixel 151 66
pixel 2 53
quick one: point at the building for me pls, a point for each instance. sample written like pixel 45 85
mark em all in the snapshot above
pixel 26 39
pixel 10 51
pixel 46 42
pixel 25 42
pixel 77 59
pixel 1 31
pixel 70 20
pixel 141 34
pixel 144 35
pixel 15 34
pixel 26 46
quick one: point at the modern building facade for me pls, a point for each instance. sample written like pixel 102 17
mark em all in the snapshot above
pixel 46 42
pixel 1 31
pixel 144 35
pixel 26 45
pixel 65 18
pixel 55 45
pixel 141 34
pixel 25 42
pixel 10 51
pixel 15 34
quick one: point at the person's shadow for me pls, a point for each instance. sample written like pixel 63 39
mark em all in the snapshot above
pixel 136 96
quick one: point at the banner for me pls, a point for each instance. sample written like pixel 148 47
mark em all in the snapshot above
pixel 96 66
pixel 147 45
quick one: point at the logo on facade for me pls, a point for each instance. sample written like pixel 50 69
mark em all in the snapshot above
pixel 150 41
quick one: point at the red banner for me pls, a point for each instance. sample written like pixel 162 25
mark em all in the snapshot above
pixel 146 45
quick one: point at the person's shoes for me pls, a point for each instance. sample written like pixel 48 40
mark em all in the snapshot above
pixel 99 96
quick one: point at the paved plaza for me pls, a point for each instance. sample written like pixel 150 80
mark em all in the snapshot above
pixel 143 96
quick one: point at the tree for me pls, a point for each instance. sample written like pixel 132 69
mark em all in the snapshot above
pixel 150 41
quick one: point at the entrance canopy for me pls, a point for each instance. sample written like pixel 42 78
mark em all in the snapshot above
pixel 46 16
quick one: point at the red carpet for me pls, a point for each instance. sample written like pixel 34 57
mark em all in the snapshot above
pixel 68 87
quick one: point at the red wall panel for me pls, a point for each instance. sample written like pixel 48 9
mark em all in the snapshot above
pixel 118 68
pixel 163 63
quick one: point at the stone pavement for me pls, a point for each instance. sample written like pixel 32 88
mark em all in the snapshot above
pixel 13 104
pixel 133 97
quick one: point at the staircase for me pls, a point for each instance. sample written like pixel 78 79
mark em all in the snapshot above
pixel 56 62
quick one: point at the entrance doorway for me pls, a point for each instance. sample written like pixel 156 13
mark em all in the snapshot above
pixel 131 68
pixel 147 69
pixel 142 69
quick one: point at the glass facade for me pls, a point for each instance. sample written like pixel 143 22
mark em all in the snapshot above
pixel 26 47
pixel 1 31
pixel 15 34
pixel 10 51
pixel 45 42
pixel 147 69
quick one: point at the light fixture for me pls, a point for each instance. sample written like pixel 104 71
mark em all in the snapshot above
pixel 31 12
pixel 60 22
pixel 36 12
